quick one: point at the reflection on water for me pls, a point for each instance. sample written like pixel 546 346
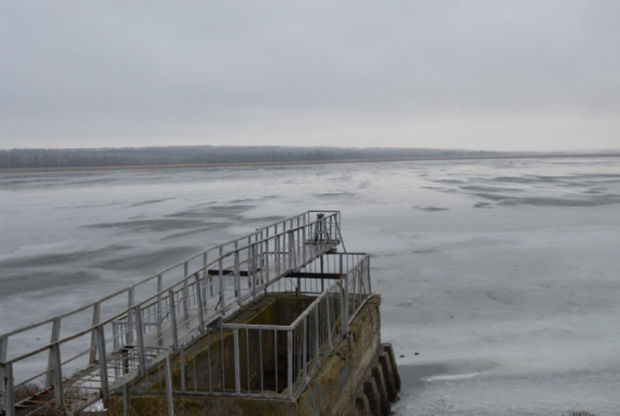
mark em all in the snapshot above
pixel 512 263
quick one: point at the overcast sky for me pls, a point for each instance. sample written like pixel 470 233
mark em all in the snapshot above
pixel 497 75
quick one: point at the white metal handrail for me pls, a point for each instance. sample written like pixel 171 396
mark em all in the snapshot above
pixel 281 243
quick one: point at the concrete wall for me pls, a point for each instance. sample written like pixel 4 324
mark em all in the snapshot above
pixel 334 390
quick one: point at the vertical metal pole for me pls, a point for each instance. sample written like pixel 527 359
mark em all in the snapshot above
pixel 182 364
pixel 160 315
pixel 345 308
pixel 303 245
pixel 57 375
pixel 198 289
pixel 185 269
pixel 221 278
pixel 173 319
pixel 237 364
pixel 169 397
pixel 4 341
pixel 96 316
pixel 252 268
pixel 304 346
pixel 317 334
pixel 209 366
pixel 293 249
pixel 204 275
pixel 185 299
pixel 103 370
pixel 289 349
pixel 368 274
pixel 222 358
pixel 130 303
pixel 125 400
pixel 137 311
pixel 329 320
pixel 9 392
pixel 115 337
pixel 275 355
pixel 248 251
pixel 49 380
pixel 260 353
pixel 204 264
pixel 4 348
pixel 267 240
pixel 277 242
pixel 237 277
pixel 247 357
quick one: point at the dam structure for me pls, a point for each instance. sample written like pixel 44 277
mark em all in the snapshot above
pixel 282 321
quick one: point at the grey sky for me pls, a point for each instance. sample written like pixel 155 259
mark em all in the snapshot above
pixel 505 75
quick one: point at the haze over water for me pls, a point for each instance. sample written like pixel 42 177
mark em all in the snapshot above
pixel 499 278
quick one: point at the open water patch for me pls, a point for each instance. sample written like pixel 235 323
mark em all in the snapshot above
pixel 592 201
pixel 61 258
pixel 328 195
pixel 34 279
pixel 150 225
pixel 430 208
pixel 151 260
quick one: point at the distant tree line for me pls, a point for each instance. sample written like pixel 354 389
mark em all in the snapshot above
pixel 58 158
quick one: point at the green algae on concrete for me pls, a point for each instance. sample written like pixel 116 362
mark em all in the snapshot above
pixel 331 391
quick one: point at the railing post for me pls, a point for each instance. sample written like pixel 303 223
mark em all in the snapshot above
pixel 56 368
pixel 173 319
pixel 291 251
pixel 289 354
pixel 252 268
pixel 204 264
pixel 329 320
pixel 185 269
pixel 160 314
pixel 137 311
pixel 169 396
pixel 303 244
pixel 185 298
pixel 103 370
pixel 266 250
pixel 96 316
pixel 277 256
pixel 222 301
pixel 130 303
pixel 343 310
pixel 237 278
pixel 304 346
pixel 221 279
pixel 317 342
pixel 50 378
pixel 198 289
pixel 237 364
pixel 368 280
pixel 9 392
pixel 3 353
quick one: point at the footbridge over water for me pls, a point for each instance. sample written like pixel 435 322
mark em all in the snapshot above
pixel 224 310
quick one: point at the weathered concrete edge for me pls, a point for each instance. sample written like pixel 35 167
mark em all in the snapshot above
pixel 336 389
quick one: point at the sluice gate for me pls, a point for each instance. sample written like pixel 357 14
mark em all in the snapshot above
pixel 253 322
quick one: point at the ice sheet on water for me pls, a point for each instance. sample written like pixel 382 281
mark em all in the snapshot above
pixel 507 269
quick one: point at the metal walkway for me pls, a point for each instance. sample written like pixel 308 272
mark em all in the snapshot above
pixel 100 347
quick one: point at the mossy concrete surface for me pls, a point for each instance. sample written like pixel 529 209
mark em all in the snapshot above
pixel 332 390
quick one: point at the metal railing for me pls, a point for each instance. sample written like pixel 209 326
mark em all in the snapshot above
pixel 103 345
pixel 272 360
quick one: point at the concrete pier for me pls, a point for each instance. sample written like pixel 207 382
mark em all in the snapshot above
pixel 358 377
pixel 282 321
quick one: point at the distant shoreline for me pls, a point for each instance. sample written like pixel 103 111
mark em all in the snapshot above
pixel 301 162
